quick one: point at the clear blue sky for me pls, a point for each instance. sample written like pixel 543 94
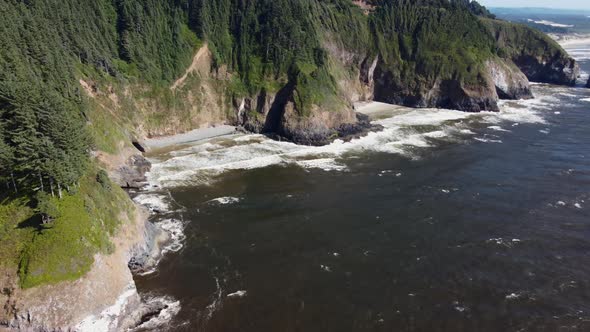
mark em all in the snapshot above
pixel 566 4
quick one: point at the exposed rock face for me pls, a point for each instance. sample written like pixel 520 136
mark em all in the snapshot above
pixel 63 306
pixel 109 285
pixel 145 254
pixel 561 71
pixel 441 93
pixel 276 115
pixel 509 81
pixel 132 173
pixel 539 57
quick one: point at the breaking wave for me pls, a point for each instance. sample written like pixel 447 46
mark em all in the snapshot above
pixel 405 132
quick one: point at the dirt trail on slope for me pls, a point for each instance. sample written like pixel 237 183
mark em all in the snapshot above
pixel 193 67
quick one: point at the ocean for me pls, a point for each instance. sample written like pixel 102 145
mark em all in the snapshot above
pixel 443 221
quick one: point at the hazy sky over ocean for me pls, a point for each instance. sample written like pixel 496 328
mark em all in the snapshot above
pixel 569 4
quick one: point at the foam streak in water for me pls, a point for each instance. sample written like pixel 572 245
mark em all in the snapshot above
pixel 404 132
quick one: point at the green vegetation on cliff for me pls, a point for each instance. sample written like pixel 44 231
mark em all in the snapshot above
pixel 75 74
pixel 515 39
pixel 424 40
pixel 538 56
pixel 52 239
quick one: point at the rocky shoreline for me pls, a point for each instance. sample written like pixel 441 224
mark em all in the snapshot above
pixel 105 299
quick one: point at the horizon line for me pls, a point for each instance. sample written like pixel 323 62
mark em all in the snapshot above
pixel 529 7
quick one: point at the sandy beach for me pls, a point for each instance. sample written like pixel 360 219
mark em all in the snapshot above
pixel 572 40
pixel 376 109
pixel 188 137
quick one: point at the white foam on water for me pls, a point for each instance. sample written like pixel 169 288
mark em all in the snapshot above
pixel 512 296
pixel 423 117
pixel 551 23
pixel 522 111
pixel 460 308
pixel 217 300
pixel 403 133
pixel 487 140
pixel 200 164
pixel 108 319
pixel 467 132
pixel 498 128
pixel 567 94
pixel 153 201
pixel 240 293
pixel 585 99
pixel 175 228
pixel 326 164
pixel 225 200
pixel 503 242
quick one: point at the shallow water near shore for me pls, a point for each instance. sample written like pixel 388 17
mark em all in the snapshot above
pixel 444 221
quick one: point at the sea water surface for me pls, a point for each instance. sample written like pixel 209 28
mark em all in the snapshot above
pixel 443 221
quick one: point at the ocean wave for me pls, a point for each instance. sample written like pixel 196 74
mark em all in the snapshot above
pixel 405 133
pixel 153 201
pixel 240 293
pixel 108 319
pixel 225 200
pixel 175 228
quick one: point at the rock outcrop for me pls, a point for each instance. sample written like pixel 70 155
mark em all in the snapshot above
pixel 277 116
pixel 557 70
pixel 63 306
pixel 440 93
pixel 105 299
pixel 538 56
pixel 509 81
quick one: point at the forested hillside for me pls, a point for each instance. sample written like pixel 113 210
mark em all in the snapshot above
pixel 78 77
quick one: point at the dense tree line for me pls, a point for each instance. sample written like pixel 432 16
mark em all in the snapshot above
pixel 43 44
pixel 44 142
pixel 431 38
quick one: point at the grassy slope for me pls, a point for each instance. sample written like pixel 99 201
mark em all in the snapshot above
pixel 85 219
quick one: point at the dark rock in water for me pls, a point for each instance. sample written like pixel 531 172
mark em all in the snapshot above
pixel 588 84
pixel 146 255
pixel 362 127
pixel 132 173
pixel 318 136
pixel 561 71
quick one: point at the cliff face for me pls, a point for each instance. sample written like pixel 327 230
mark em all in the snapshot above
pixel 291 69
pixel 558 70
pixel 508 80
pixel 539 57
pixel 63 306
pixel 441 93
pixel 105 298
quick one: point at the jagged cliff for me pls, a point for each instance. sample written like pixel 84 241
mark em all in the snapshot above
pixel 78 76
pixel 538 56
